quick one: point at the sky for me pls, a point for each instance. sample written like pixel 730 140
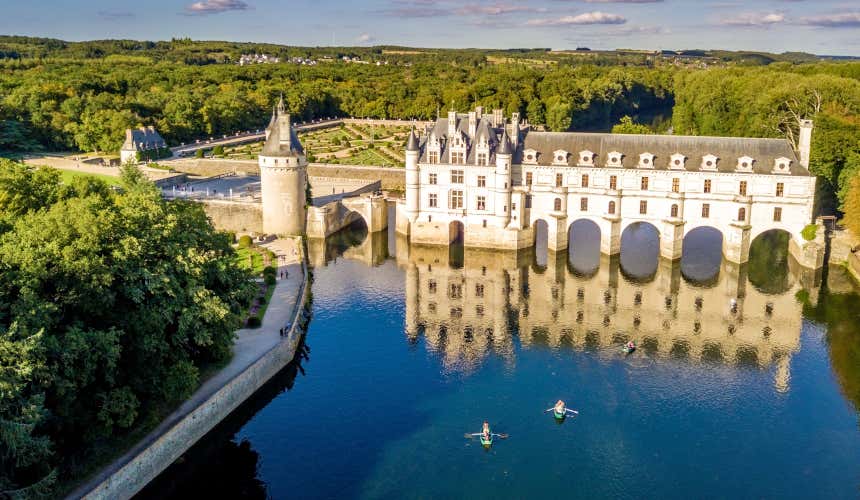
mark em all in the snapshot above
pixel 817 26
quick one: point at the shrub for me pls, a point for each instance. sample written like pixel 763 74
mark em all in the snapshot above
pixel 218 150
pixel 254 322
pixel 809 231
pixel 270 270
pixel 245 241
pixel 198 153
pixel 261 300
pixel 370 146
pixel 270 280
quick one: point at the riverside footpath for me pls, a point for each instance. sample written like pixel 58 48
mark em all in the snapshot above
pixel 258 354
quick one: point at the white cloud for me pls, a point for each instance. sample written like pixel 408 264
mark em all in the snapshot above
pixel 215 6
pixel 365 38
pixel 579 19
pixel 496 10
pixel 755 19
pixel 842 20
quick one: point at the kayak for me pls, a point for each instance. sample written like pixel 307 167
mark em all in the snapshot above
pixel 628 350
pixel 559 415
pixel 487 441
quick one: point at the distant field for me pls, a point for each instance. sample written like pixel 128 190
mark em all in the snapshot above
pixel 351 144
pixel 68 175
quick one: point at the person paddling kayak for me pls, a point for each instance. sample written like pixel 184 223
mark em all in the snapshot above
pixel 486 434
pixel 560 410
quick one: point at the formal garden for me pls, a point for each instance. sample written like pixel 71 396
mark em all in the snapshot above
pixel 346 144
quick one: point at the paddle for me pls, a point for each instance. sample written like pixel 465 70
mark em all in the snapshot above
pixel 470 436
pixel 503 436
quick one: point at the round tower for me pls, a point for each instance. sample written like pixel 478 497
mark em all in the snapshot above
pixel 412 177
pixel 283 177
pixel 503 187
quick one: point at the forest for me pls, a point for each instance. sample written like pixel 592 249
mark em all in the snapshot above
pixel 57 95
pixel 113 304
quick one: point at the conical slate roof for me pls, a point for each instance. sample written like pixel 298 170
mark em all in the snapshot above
pixel 412 142
pixel 282 139
pixel 504 147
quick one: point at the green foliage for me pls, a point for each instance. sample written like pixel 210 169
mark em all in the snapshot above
pixel 535 112
pixel 245 241
pixel 767 102
pixel 218 150
pixel 809 232
pixel 269 270
pixel 270 279
pixel 558 117
pixel 851 205
pixel 198 153
pixel 254 322
pixel 627 126
pixel 111 301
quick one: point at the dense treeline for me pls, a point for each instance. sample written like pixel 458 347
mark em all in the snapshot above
pixel 110 305
pixel 768 102
pixel 86 104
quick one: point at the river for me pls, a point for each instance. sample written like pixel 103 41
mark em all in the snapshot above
pixel 745 382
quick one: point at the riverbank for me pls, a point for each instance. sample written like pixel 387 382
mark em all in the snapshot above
pixel 257 355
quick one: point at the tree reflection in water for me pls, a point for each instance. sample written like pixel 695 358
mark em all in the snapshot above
pixel 229 467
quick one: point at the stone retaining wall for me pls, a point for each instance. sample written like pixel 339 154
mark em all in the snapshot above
pixel 189 428
pixel 236 217
pixel 853 265
pixel 393 179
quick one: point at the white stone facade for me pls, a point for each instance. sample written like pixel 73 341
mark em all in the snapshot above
pixel 499 180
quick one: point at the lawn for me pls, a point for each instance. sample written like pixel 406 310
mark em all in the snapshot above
pixel 250 259
pixel 66 176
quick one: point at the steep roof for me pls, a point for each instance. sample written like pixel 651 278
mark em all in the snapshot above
pixel 727 149
pixel 142 139
pixel 412 142
pixel 483 130
pixel 282 138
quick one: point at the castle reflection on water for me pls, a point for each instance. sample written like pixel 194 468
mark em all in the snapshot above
pixel 471 304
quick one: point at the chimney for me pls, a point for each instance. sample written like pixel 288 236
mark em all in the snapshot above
pixel 498 118
pixel 804 143
pixel 452 123
pixel 128 135
pixel 515 129
pixel 479 112
pixel 473 124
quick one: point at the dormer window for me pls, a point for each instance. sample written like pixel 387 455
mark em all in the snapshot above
pixel 677 161
pixel 781 166
pixel 530 156
pixel 613 159
pixel 709 162
pixel 586 158
pixel 559 157
pixel 745 164
pixel 646 160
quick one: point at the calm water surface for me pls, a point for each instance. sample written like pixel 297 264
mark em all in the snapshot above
pixel 411 348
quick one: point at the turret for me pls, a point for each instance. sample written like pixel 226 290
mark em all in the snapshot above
pixel 413 151
pixel 283 177
pixel 503 185
pixel 515 129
